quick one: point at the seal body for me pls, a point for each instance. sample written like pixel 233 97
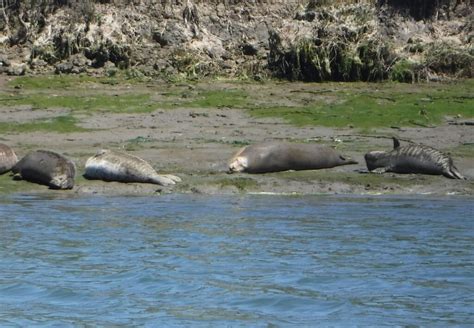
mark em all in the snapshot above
pixel 280 156
pixel 109 165
pixel 47 168
pixel 7 158
pixel 412 158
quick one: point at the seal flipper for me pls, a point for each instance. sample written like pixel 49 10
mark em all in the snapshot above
pixel 163 180
pixel 380 170
pixel 172 177
pixel 453 173
pixel 347 160
pixel 396 143
pixel 17 176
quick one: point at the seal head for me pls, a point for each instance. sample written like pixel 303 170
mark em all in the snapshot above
pixel 376 159
pixel 8 158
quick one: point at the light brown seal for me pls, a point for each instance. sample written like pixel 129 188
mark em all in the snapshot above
pixel 7 158
pixel 412 158
pixel 282 156
pixel 109 165
pixel 47 168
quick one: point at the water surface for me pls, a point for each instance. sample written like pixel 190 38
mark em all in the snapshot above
pixel 253 261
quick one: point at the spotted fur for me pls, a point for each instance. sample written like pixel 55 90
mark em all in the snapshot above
pixel 109 165
pixel 7 158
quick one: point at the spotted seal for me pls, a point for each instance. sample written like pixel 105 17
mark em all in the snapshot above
pixel 7 158
pixel 110 165
pixel 282 156
pixel 47 168
pixel 412 158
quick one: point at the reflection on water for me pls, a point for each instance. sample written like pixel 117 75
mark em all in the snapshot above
pixel 182 260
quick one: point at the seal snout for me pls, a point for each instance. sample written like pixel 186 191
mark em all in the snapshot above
pixel 61 182
pixel 237 164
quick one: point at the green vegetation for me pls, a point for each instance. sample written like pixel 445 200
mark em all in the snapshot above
pixel 309 60
pixel 359 105
pixel 10 186
pixel 74 81
pixel 447 59
pixel 382 105
pixel 60 124
pixel 220 98
pixel 119 103
pixel 242 184
pixel 344 46
pixel 54 82
pixel 403 71
pixel 464 150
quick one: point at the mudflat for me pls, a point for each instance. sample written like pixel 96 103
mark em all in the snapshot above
pixel 191 129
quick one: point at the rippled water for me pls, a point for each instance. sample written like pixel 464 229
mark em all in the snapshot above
pixel 253 261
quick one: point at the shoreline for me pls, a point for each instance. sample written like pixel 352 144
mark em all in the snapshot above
pixel 301 183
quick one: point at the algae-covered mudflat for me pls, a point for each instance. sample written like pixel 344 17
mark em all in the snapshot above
pixel 192 128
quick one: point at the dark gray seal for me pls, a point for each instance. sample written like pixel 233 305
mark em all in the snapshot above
pixel 281 156
pixel 109 165
pixel 7 158
pixel 412 158
pixel 47 168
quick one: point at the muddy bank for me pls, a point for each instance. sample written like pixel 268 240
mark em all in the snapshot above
pixel 194 140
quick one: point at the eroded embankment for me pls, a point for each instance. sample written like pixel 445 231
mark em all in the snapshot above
pixel 342 40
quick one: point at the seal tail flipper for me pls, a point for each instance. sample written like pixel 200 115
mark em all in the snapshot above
pixel 453 173
pixel 172 177
pixel 162 180
pixel 347 160
pixel 379 170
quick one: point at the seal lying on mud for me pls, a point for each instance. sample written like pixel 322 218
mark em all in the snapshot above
pixel 7 158
pixel 413 158
pixel 47 168
pixel 109 165
pixel 276 156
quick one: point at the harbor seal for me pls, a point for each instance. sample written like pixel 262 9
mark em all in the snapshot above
pixel 412 158
pixel 47 168
pixel 7 158
pixel 280 156
pixel 109 165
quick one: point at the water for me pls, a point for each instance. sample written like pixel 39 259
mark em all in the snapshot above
pixel 253 261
